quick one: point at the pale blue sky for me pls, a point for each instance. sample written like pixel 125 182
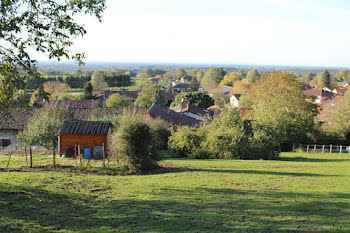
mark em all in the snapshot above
pixel 276 32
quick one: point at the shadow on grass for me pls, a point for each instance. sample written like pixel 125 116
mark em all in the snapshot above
pixel 24 208
pixel 256 172
pixel 303 159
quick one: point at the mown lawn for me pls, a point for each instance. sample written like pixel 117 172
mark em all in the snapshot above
pixel 299 193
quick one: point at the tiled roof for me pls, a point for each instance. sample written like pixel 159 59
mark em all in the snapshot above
pixel 222 89
pixel 69 103
pixel 187 107
pixel 317 92
pixel 85 127
pixel 181 85
pixel 13 119
pixel 171 116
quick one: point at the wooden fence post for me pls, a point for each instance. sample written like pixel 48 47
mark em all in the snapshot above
pixel 25 152
pixel 81 163
pixel 341 147
pixel 31 157
pixel 330 149
pixel 54 155
pixel 75 155
pixel 322 149
pixel 307 149
pixel 315 148
pixel 103 154
pixel 293 147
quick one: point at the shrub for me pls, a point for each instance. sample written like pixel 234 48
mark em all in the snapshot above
pixel 227 137
pixel 160 132
pixel 187 142
pixel 133 145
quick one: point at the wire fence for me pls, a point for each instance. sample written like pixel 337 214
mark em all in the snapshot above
pixel 324 149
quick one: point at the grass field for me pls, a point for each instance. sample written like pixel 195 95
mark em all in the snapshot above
pixel 298 193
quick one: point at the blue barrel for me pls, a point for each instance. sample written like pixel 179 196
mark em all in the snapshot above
pixel 87 153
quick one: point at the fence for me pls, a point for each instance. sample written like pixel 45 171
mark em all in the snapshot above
pixel 330 149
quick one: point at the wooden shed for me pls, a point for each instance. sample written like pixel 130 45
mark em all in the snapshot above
pixel 85 134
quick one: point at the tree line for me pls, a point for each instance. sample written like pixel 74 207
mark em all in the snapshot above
pixel 122 80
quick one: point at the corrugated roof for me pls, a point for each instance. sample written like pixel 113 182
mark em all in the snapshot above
pixel 85 127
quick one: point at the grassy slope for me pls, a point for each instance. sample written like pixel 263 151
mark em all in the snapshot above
pixel 300 193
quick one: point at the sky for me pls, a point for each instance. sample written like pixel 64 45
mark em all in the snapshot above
pixel 261 32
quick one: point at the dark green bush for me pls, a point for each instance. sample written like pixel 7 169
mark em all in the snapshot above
pixel 161 133
pixel 133 145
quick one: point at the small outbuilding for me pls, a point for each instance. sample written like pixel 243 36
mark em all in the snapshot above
pixel 89 136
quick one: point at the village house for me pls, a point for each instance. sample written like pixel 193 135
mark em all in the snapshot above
pixel 234 100
pixel 195 112
pixel 11 123
pixel 170 116
pixel 156 80
pixel 90 137
pixel 318 94
pixel 181 87
pixel 186 79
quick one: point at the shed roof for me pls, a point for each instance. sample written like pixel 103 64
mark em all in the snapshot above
pixel 85 127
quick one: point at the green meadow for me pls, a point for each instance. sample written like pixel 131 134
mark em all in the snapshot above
pixel 298 193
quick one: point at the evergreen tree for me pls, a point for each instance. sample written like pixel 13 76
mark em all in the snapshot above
pixel 88 91
pixel 194 85
pixel 159 98
pixel 326 79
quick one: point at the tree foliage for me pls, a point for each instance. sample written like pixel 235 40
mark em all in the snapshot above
pixel 196 98
pixel 212 78
pixel 43 25
pixel 146 96
pixel 339 123
pixel 88 88
pixel 55 89
pixel 159 98
pixel 180 73
pixel 279 104
pixel 326 79
pixel 252 76
pixel 116 100
pixel 39 94
pixel 133 145
pixel 226 137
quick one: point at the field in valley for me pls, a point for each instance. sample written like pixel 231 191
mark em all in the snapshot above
pixel 298 193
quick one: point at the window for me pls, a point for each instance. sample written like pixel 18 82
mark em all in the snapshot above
pixel 5 142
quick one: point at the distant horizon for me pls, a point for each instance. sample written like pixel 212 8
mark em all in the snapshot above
pixel 71 62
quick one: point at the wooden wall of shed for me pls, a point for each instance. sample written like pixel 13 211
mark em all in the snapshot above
pixel 85 141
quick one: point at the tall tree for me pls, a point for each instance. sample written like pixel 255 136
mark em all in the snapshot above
pixel 159 98
pixel 252 76
pixel 146 96
pixel 180 73
pixel 194 85
pixel 88 91
pixel 279 104
pixel 326 79
pixel 42 128
pixel 212 78
pixel 43 25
